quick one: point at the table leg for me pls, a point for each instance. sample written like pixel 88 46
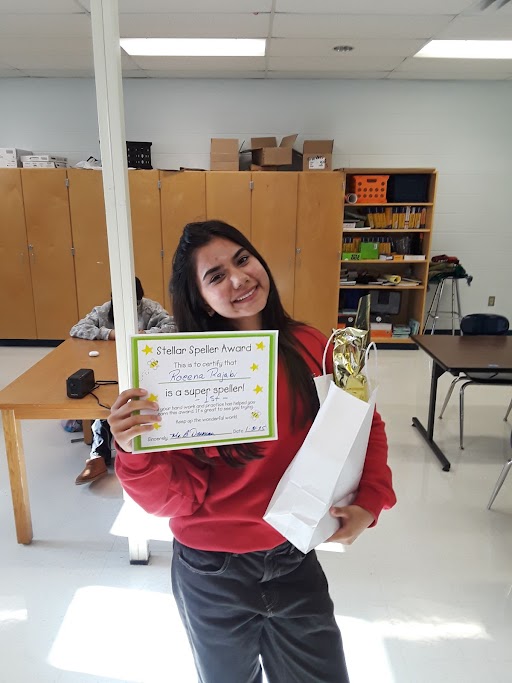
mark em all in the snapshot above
pixel 428 434
pixel 17 476
pixel 87 429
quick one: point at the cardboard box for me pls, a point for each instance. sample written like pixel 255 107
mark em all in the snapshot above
pixel 45 164
pixel 266 152
pixel 42 157
pixel 224 154
pixel 317 155
pixel 12 156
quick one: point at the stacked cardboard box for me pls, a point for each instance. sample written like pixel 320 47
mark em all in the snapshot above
pixel 268 155
pixel 317 155
pixel 224 154
pixel 10 157
pixel 43 161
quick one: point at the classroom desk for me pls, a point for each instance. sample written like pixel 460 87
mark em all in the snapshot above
pixel 479 353
pixel 40 394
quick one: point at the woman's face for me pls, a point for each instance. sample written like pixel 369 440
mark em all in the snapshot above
pixel 232 282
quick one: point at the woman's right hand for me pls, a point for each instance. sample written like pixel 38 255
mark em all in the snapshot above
pixel 112 334
pixel 124 424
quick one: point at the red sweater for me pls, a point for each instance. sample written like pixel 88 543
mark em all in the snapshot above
pixel 221 508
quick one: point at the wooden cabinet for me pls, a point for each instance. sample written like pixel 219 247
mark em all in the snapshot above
pixel 147 231
pixel 89 229
pixel 228 198
pixel 18 320
pixel 293 219
pixel 274 227
pixel 51 259
pixel 183 200
pixel 401 228
pixel 317 269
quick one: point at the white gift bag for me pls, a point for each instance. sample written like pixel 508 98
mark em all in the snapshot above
pixel 327 469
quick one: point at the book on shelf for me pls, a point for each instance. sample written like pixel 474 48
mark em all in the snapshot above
pixel 414 326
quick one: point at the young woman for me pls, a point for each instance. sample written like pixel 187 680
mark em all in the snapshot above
pixel 99 324
pixel 242 590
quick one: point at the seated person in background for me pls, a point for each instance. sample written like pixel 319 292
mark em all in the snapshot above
pixel 99 324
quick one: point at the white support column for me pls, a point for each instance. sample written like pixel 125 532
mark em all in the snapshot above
pixel 109 98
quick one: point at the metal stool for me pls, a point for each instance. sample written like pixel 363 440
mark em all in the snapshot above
pixel 456 310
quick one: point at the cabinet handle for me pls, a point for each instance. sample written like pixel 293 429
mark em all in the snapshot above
pixel 298 250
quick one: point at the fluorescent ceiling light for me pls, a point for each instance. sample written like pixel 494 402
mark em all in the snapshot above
pixel 467 49
pixel 195 47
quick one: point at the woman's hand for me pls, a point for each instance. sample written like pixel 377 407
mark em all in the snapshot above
pixel 353 521
pixel 112 334
pixel 124 425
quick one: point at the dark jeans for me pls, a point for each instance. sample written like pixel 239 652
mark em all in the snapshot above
pixel 102 440
pixel 272 603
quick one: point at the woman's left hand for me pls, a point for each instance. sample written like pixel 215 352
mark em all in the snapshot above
pixel 353 521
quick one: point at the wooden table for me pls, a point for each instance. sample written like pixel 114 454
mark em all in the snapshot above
pixel 478 353
pixel 40 394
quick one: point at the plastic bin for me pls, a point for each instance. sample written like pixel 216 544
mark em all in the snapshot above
pixel 370 189
pixel 138 154
pixel 408 187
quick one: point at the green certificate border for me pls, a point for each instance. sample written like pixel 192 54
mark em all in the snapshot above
pixel 272 338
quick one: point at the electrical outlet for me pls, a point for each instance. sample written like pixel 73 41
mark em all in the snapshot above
pixel 491 300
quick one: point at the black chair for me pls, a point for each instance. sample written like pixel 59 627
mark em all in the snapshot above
pixel 501 479
pixel 473 324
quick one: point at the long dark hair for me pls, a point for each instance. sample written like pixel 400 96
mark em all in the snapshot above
pixel 139 292
pixel 191 315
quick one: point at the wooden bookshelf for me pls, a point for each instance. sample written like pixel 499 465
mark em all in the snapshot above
pixel 412 298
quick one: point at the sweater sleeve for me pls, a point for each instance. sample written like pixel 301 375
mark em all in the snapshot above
pixel 91 327
pixel 159 321
pixel 375 491
pixel 165 484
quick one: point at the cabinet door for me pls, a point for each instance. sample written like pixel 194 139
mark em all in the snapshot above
pixel 317 265
pixel 183 200
pixel 18 320
pixel 147 231
pixel 89 229
pixel 51 261
pixel 228 198
pixel 273 228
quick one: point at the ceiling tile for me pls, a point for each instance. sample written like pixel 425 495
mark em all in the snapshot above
pixel 446 76
pixel 39 7
pixel 485 27
pixel 60 60
pixel 328 64
pixel 340 75
pixel 175 6
pixel 50 26
pixel 32 48
pixel 10 73
pixel 301 47
pixel 205 64
pixel 468 66
pixel 59 73
pixel 373 6
pixel 177 73
pixel 194 25
pixel 350 26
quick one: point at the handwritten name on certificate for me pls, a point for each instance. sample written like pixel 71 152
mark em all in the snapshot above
pixel 212 388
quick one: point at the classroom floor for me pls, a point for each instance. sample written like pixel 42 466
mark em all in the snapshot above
pixel 425 596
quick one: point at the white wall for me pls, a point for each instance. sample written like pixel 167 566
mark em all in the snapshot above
pixel 460 128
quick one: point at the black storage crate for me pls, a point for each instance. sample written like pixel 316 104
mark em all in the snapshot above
pixel 408 187
pixel 139 154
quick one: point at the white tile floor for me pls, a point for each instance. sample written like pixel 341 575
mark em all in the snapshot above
pixel 425 596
